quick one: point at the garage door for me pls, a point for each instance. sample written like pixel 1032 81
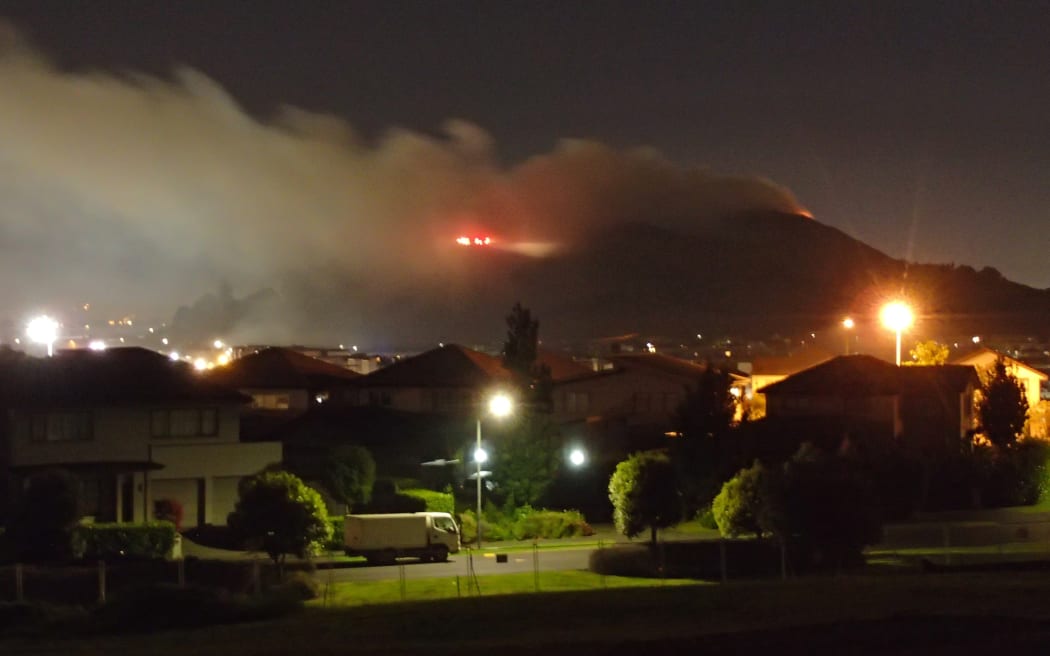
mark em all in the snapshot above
pixel 224 497
pixel 187 491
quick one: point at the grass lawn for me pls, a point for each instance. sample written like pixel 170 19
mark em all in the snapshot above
pixel 348 594
pixel 854 613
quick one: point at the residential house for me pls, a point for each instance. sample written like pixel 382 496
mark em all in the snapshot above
pixel 284 380
pixel 983 359
pixel 930 406
pixel 449 379
pixel 133 426
pixel 640 390
pixel 766 370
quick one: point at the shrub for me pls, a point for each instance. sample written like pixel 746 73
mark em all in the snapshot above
pixel 164 606
pixel 825 507
pixel 387 499
pixel 739 507
pixel 706 519
pixel 644 493
pixel 348 474
pixel 168 510
pixel 281 515
pixel 42 526
pixel 151 540
pixel 434 501
pixel 338 539
pixel 550 524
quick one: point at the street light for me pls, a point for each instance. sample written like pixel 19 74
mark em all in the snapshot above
pixel 499 406
pixel 577 457
pixel 43 330
pixel 897 316
pixel 847 324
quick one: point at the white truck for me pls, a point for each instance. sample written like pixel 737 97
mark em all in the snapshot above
pixel 429 536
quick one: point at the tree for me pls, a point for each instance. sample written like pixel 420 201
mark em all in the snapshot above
pixel 524 462
pixel 42 526
pixel 1002 407
pixel 520 357
pixel 703 422
pixel 348 474
pixel 928 353
pixel 644 493
pixel 279 514
pixel 824 505
pixel 743 502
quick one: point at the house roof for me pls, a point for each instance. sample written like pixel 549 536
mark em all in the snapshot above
pixel 453 365
pixel 116 376
pixel 974 355
pixel 789 364
pixel 280 368
pixel 864 375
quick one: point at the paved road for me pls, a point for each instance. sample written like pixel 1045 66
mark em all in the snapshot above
pixel 550 560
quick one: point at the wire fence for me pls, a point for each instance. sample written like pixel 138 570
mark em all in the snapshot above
pixel 960 544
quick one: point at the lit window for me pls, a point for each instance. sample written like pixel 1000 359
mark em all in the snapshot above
pixel 61 427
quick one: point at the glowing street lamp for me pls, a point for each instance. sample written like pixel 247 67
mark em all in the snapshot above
pixel 848 324
pixel 577 457
pixel 897 316
pixel 43 330
pixel 499 406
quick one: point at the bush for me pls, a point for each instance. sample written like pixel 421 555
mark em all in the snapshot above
pixel 338 539
pixel 25 617
pixel 168 510
pixel 525 524
pixel 744 559
pixel 163 607
pixel 434 501
pixel 706 519
pixel 151 540
pixel 825 507
pixel 738 508
pixel 387 499
pixel 644 493
pixel 43 523
pixel 278 513
pixel 550 524
pixel 349 472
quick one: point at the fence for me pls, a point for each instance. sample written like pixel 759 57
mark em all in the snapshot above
pixel 469 574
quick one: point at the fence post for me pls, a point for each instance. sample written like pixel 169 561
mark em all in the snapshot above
pixel 19 591
pixel 722 559
pixel 256 577
pixel 101 581
pixel 783 560
pixel 601 562
pixel 947 544
pixel 459 591
pixel 401 580
pixel 536 564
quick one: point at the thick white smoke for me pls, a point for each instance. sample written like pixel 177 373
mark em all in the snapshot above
pixel 137 192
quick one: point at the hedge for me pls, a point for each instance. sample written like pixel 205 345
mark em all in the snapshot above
pixel 149 540
pixel 436 501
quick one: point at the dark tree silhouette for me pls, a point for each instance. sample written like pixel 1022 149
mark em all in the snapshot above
pixel 1002 408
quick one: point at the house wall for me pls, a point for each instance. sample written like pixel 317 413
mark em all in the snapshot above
pixel 1031 380
pixel 204 477
pixel 262 399
pixel 874 409
pixel 640 397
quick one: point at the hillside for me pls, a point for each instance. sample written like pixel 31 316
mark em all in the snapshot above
pixel 759 273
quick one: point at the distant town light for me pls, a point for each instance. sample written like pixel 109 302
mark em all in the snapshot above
pixel 224 359
pixel 218 344
pixel 164 341
pixel 847 323
pixel 97 345
pixel 43 330
pixel 174 355
pixel 200 364
pixel 976 339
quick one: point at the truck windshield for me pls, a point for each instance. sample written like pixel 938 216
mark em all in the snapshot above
pixel 445 524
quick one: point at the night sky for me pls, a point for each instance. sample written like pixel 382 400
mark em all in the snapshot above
pixel 921 128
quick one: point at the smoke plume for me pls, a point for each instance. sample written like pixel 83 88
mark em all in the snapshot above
pixel 138 194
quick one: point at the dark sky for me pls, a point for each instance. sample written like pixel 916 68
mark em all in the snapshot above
pixel 922 128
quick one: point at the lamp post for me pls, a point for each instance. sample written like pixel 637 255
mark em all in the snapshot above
pixel 499 406
pixel 43 330
pixel 897 316
pixel 847 325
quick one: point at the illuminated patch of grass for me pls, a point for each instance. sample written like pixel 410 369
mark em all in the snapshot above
pixel 361 593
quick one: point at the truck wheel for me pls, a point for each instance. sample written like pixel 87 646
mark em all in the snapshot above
pixel 388 556
pixel 439 554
